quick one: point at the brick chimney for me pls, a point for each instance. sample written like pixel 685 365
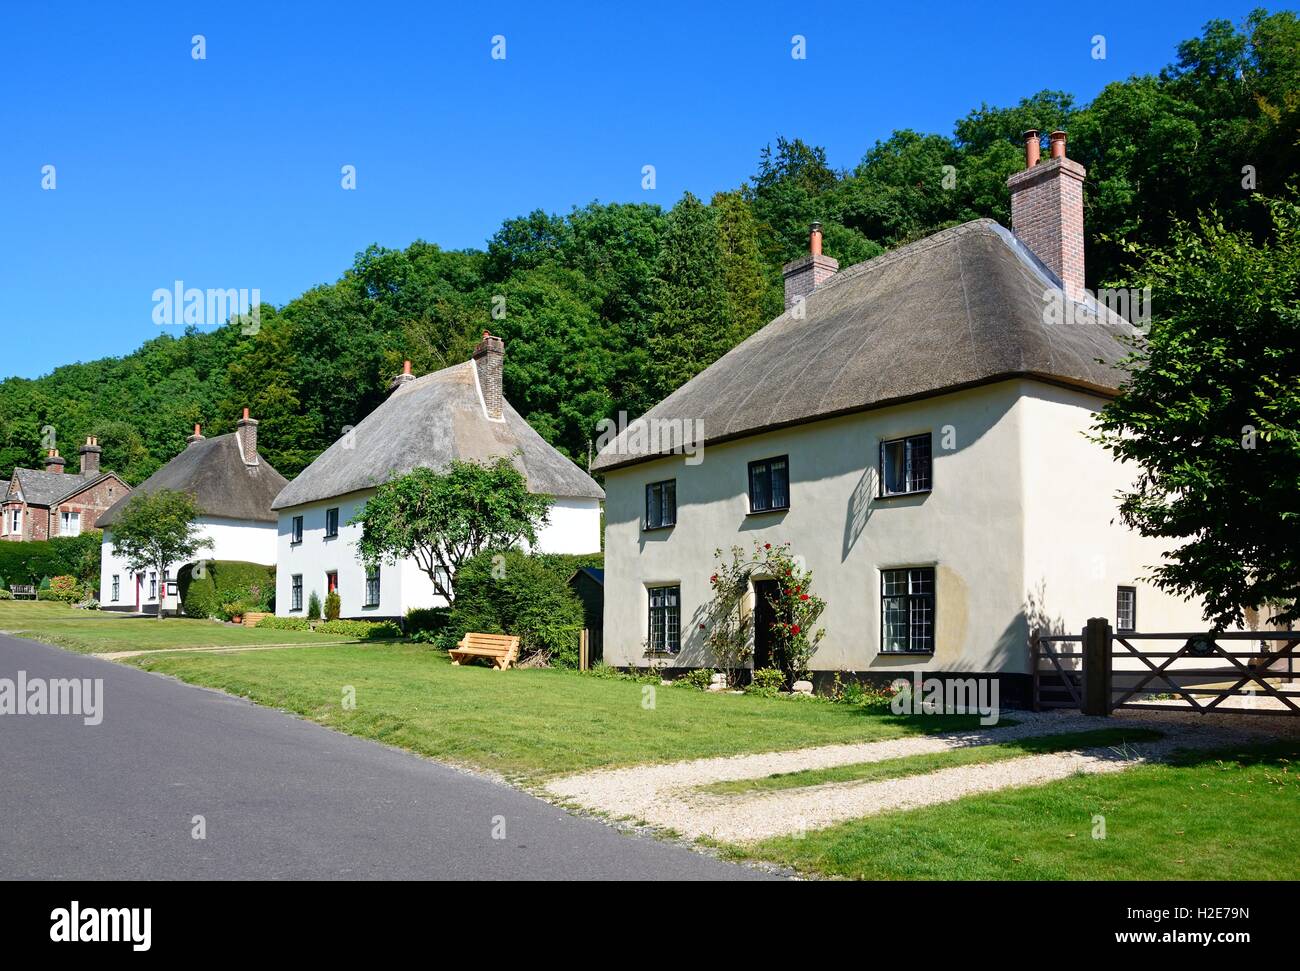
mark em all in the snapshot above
pixel 196 437
pixel 805 274
pixel 54 462
pixel 1047 210
pixel 246 431
pixel 90 456
pixel 489 357
pixel 406 377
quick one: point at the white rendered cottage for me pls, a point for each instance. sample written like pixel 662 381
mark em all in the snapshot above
pixel 233 487
pixel 426 422
pixel 915 427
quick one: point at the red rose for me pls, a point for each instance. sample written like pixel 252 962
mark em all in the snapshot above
pixel 701 627
pixel 767 546
pixel 794 629
pixel 803 596
pixel 786 592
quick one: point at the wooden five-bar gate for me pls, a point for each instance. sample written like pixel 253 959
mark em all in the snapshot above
pixel 1100 670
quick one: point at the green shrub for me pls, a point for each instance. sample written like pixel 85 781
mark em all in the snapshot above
pixel 232 610
pixel 332 605
pixel 366 629
pixel 2 584
pixel 225 582
pixel 27 563
pixel 313 606
pixel 423 619
pixel 65 588
pixel 699 679
pixel 5 594
pixel 604 671
pixel 523 597
pixel 767 683
pixel 283 623
pixel 43 585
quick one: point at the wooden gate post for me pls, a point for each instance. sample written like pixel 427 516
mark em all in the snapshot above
pixel 1096 667
pixel 584 655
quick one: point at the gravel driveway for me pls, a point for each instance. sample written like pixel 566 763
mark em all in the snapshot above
pixel 666 796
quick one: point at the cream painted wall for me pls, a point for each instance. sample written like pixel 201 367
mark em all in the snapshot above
pixel 968 527
pixel 574 528
pixel 1019 519
pixel 233 539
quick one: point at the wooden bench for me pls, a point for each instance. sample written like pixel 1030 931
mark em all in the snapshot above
pixel 501 649
pixel 21 590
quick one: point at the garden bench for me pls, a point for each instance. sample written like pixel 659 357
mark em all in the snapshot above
pixel 21 590
pixel 501 649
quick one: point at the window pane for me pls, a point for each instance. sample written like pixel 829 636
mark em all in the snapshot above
pixel 918 463
pixel 893 468
pixel 760 496
pixel 895 623
pixel 653 505
pixel 895 582
pixel 670 503
pixel 780 484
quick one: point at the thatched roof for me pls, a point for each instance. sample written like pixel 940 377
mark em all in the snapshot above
pixel 214 472
pixel 426 423
pixel 956 309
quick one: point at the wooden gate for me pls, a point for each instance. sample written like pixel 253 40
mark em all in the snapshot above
pixel 1204 670
pixel 1098 671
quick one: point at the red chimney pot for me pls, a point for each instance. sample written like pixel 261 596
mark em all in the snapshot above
pixel 1032 148
pixel 1057 142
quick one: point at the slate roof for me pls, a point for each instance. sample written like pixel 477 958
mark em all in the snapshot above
pixel 49 488
pixel 959 308
pixel 213 471
pixel 426 423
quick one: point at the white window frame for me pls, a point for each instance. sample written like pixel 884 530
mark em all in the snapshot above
pixel 67 518
pixel 117 587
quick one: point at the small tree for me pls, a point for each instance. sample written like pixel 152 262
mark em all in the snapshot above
pixel 313 606
pixel 333 605
pixel 441 519
pixel 1211 416
pixel 157 529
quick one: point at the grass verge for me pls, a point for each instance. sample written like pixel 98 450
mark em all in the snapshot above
pixel 1201 816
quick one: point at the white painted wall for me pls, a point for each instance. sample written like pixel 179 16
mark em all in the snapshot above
pixel 1022 499
pixel 574 528
pixel 233 539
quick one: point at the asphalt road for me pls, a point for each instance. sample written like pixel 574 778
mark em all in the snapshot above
pixel 281 798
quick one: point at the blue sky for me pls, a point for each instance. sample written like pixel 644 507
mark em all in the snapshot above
pixel 225 172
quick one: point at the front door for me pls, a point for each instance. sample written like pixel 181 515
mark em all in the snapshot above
pixel 764 618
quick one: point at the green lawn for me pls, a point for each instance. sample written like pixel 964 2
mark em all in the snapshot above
pixel 934 761
pixel 527 724
pixel 101 632
pixel 1219 816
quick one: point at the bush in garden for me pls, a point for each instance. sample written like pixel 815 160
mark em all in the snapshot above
pixel 283 623
pixel 222 582
pixel 513 592
pixel 332 605
pixel 699 679
pixel 364 629
pixel 313 606
pixel 767 683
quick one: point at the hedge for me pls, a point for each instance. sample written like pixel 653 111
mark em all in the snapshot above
pixel 28 563
pixel 224 582
pixel 532 599
pixel 360 628
pixel 284 623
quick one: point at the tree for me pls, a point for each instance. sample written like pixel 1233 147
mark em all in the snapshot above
pixel 440 519
pixel 1211 415
pixel 157 529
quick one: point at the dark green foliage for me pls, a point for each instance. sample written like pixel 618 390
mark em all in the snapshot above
pixel 313 606
pixel 333 605
pixel 225 582
pixel 284 623
pixel 27 563
pixel 514 593
pixel 424 623
pixel 1211 416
